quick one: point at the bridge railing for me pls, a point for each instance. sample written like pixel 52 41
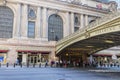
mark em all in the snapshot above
pixel 107 18
pixel 104 19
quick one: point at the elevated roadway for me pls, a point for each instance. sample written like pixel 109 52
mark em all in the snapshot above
pixel 99 35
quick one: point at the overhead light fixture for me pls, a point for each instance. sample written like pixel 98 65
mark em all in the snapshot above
pixel 109 41
pixel 90 46
pixel 66 54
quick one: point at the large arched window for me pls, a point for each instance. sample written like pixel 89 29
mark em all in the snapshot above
pixel 55 28
pixel 6 22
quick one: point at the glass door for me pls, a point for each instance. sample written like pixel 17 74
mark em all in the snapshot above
pixel 33 59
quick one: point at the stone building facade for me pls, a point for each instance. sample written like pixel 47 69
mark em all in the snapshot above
pixel 29 29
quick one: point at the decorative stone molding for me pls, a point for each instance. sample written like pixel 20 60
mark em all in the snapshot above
pixel 77 20
pixel 32 12
pixel 3 2
pixel 87 34
pixel 113 6
pixel 76 2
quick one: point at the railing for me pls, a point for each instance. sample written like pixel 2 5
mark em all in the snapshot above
pixel 23 65
pixel 107 18
pixel 29 65
pixel 64 65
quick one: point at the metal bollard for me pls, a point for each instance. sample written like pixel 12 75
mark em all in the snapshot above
pixel 7 64
pixel 118 65
pixel 14 65
pixel 33 64
pixel 39 65
pixel 27 65
pixel 0 64
pixel 21 65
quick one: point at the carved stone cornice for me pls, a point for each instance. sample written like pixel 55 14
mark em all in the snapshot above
pixel 62 6
pixel 3 2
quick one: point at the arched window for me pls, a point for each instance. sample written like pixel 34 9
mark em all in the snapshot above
pixel 6 22
pixel 55 28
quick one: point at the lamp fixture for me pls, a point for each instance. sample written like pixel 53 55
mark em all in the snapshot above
pixel 66 54
pixel 109 41
pixel 89 46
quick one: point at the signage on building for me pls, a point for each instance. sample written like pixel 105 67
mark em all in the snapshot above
pixel 1 58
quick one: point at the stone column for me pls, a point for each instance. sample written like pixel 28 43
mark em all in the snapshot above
pixel 66 28
pixel 16 29
pixel 45 25
pixel 38 24
pixel 52 56
pixel 24 25
pixel 24 58
pixel 86 20
pixel 81 21
pixel 5 58
pixel 39 57
pixel 72 22
pixel 84 59
pixel 12 56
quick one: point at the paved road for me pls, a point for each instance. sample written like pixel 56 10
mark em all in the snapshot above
pixel 56 74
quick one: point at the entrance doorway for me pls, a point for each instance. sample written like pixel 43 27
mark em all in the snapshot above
pixel 33 58
pixel 44 57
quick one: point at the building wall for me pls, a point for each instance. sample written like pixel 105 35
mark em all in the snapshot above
pixel 43 9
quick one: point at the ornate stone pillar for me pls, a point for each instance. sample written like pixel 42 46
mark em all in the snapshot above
pixel 81 21
pixel 24 25
pixel 17 27
pixel 72 22
pixel 24 58
pixel 66 28
pixel 86 20
pixel 44 25
pixel 38 24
